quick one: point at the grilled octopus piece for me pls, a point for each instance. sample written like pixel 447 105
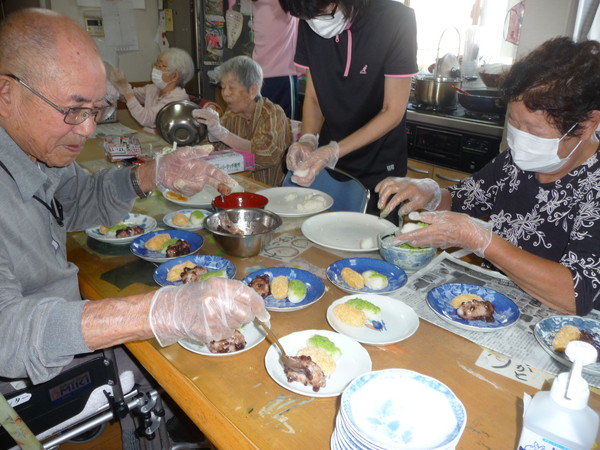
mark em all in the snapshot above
pixel 233 344
pixel 310 374
pixel 476 310
pixel 225 225
pixel 189 275
pixel 129 231
pixel 179 248
pixel 261 285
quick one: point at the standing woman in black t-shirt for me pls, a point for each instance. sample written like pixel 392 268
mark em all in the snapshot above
pixel 360 56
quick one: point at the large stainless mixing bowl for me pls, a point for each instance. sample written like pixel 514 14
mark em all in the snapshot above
pixel 257 227
pixel 175 123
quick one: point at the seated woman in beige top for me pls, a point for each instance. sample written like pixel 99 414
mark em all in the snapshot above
pixel 251 123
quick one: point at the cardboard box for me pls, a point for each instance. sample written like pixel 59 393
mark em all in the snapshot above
pixel 117 148
pixel 231 161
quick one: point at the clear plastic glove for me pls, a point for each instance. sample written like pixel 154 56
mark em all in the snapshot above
pixel 414 193
pixel 449 229
pixel 325 156
pixel 118 78
pixel 112 93
pixel 204 310
pixel 300 150
pixel 185 171
pixel 210 118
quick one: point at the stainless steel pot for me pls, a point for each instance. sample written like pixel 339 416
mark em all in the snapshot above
pixel 436 91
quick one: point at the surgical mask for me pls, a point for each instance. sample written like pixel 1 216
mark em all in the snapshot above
pixel 328 27
pixel 157 78
pixel 536 154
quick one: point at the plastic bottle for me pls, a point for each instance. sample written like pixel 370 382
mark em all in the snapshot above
pixel 561 418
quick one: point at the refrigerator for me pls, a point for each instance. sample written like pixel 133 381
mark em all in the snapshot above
pixel 212 31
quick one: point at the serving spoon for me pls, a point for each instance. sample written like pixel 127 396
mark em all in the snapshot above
pixel 288 362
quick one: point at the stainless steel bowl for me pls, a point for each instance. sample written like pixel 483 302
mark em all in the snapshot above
pixel 257 227
pixel 175 123
pixel 436 91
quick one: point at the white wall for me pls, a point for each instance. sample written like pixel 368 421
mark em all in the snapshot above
pixel 135 64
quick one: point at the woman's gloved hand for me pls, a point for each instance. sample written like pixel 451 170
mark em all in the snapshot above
pixel 449 229
pixel 204 310
pixel 324 156
pixel 118 78
pixel 300 150
pixel 210 118
pixel 415 193
pixel 185 171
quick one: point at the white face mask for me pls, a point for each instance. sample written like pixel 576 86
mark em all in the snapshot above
pixel 329 27
pixel 536 154
pixel 157 78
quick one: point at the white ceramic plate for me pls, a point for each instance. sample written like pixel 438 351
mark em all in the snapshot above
pixel 345 230
pixel 146 222
pixel 355 360
pixel 202 199
pixel 168 219
pixel 138 247
pixel 396 276
pixel 253 333
pixel 397 321
pixel 284 201
pixel 545 330
pixel 397 408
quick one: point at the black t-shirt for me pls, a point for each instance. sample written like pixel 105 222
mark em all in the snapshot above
pixel 348 73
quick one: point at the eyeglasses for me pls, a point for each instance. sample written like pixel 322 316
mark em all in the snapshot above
pixel 327 16
pixel 72 116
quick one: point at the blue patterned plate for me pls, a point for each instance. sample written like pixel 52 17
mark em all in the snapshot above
pixel 138 247
pixel 146 222
pixel 397 408
pixel 315 288
pixel 545 330
pixel 168 219
pixel 211 262
pixel 506 313
pixel 395 275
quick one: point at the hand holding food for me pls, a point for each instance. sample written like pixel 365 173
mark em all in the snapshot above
pixel 210 118
pixel 186 172
pixel 205 311
pixel 325 156
pixel 300 151
pixel 421 193
pixel 449 229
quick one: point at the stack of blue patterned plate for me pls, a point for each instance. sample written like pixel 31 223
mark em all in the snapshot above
pixel 399 409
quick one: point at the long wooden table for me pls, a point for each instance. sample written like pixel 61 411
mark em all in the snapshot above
pixel 233 399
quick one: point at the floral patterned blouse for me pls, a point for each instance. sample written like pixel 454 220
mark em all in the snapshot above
pixel 559 221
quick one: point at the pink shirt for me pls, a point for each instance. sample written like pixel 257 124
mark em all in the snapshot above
pixel 275 34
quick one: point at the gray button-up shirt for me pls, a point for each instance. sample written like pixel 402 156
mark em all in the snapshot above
pixel 40 303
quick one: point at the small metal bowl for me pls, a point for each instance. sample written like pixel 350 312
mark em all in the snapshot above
pixel 257 227
pixel 175 123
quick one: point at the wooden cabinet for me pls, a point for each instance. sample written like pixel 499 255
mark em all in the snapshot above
pixel 444 177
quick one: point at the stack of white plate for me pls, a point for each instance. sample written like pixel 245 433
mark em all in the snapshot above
pixel 398 409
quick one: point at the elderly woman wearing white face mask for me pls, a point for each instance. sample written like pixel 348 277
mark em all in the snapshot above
pixel 173 69
pixel 542 196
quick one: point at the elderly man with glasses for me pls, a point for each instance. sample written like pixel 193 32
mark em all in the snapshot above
pixel 52 92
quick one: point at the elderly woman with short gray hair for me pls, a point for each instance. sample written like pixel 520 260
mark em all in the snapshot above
pixel 171 71
pixel 251 123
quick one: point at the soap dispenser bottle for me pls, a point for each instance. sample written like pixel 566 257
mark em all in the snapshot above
pixel 561 418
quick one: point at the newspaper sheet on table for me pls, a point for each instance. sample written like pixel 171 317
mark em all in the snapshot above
pixel 517 341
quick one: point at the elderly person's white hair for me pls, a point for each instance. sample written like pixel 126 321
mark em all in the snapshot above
pixel 245 69
pixel 181 62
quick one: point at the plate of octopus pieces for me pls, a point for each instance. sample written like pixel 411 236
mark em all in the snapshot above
pixel 124 232
pixel 286 288
pixel 328 362
pixel 472 307
pixel 244 338
pixel 190 268
pixel 164 245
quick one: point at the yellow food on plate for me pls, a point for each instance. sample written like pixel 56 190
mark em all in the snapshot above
pixel 155 243
pixel 350 315
pixel 175 196
pixel 352 278
pixel 180 219
pixel 174 273
pixel 320 357
pixel 279 287
pixel 462 298
pixel 565 335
